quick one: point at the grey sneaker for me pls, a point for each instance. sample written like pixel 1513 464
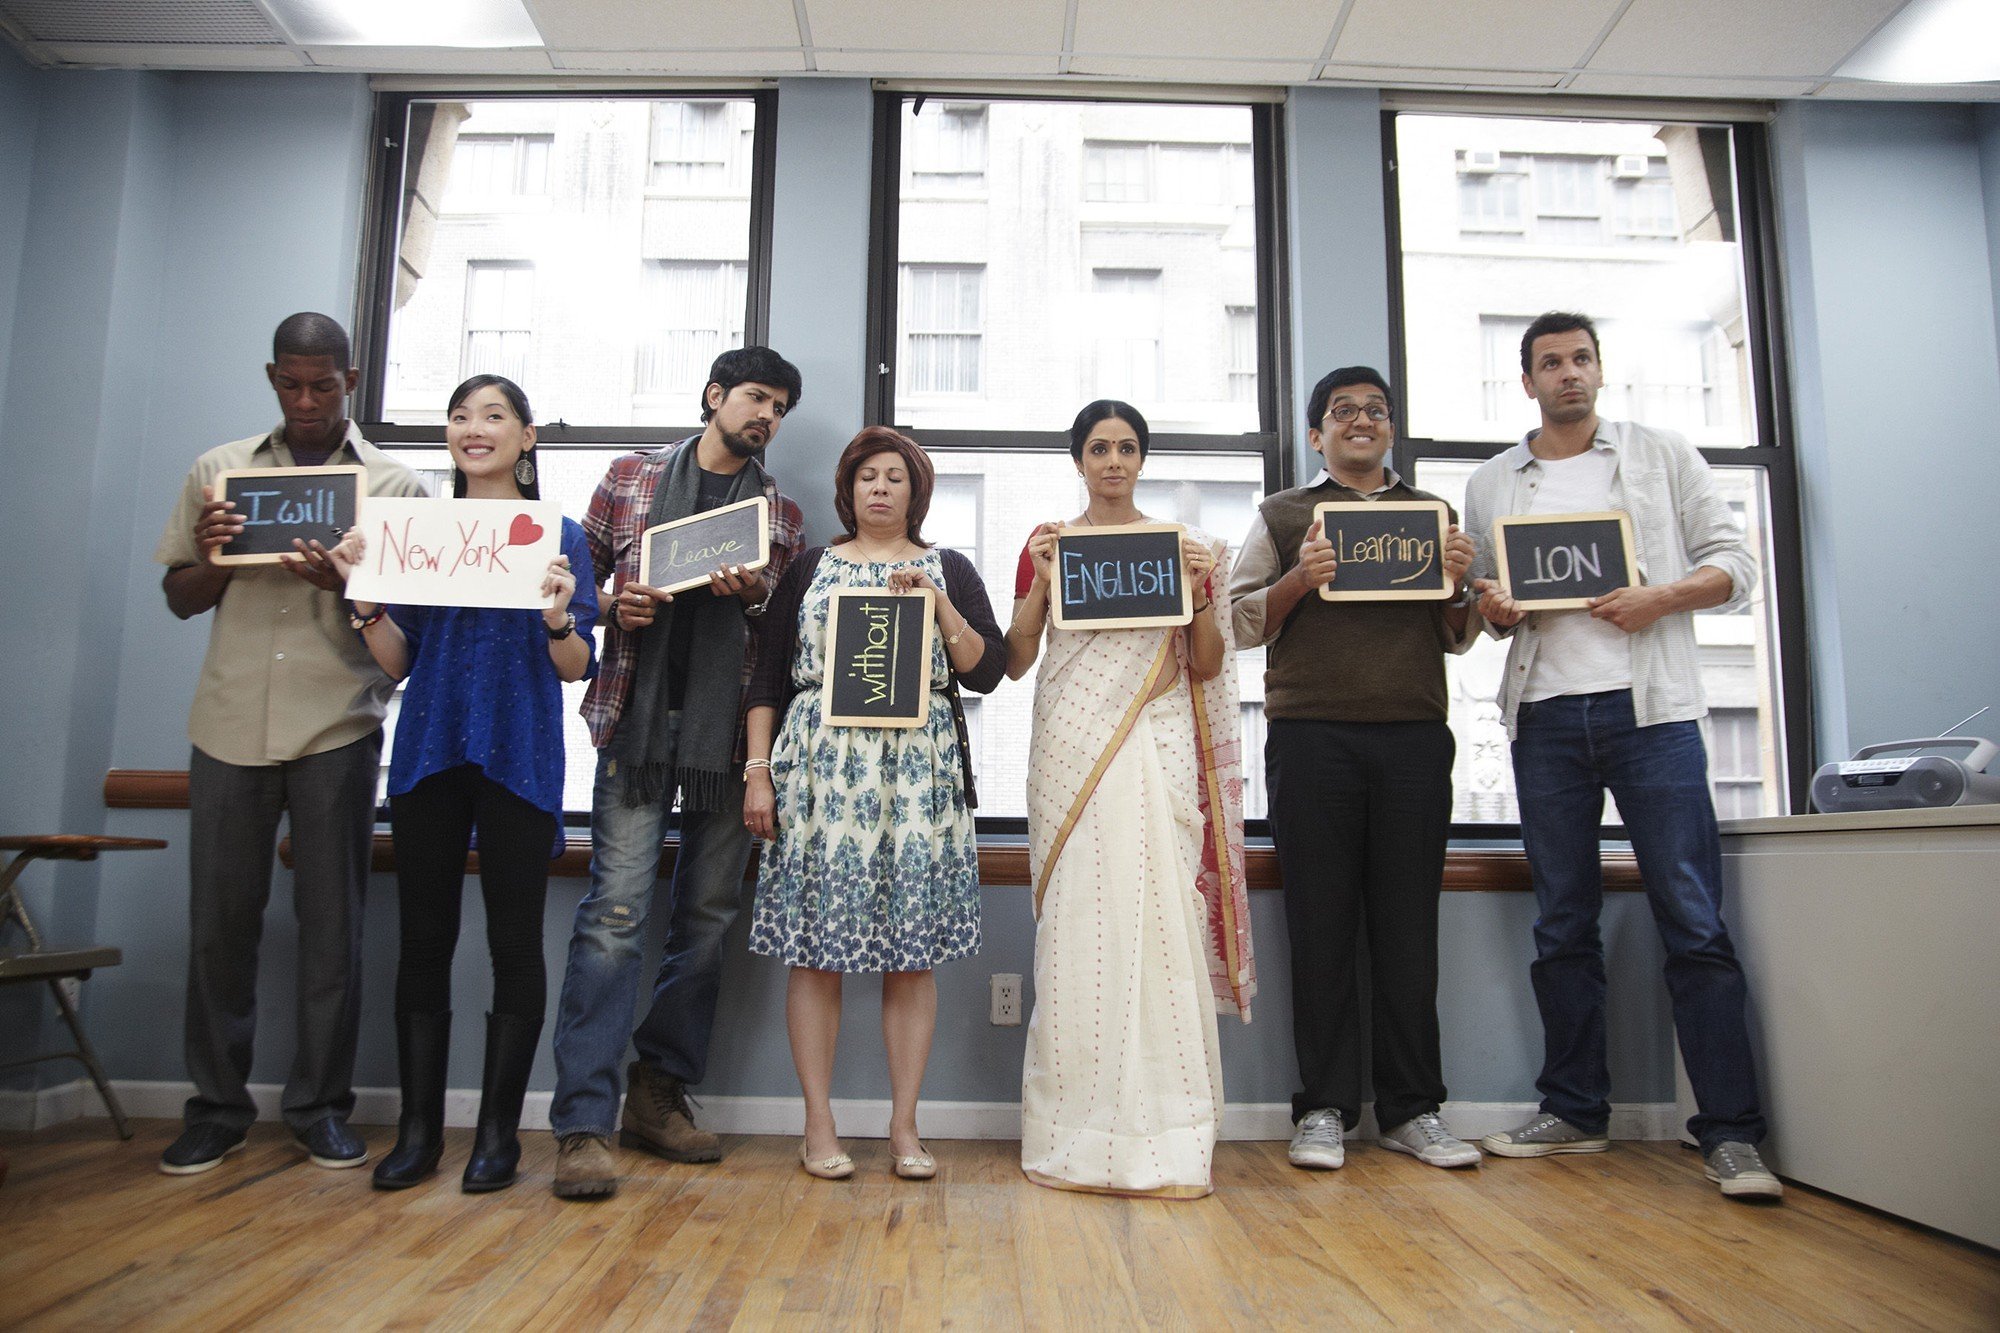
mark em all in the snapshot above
pixel 1316 1142
pixel 1543 1136
pixel 1742 1173
pixel 1425 1138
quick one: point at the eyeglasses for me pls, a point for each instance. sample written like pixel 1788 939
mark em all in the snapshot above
pixel 1346 412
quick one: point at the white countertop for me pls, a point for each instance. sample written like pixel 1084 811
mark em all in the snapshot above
pixel 1951 816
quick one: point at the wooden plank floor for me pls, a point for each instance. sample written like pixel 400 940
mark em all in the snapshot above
pixel 91 1236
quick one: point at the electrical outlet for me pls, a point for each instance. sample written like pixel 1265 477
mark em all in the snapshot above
pixel 1007 999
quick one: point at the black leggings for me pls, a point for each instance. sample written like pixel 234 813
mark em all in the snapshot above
pixel 433 824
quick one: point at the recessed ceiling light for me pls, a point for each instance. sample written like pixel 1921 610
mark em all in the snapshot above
pixel 406 22
pixel 1933 41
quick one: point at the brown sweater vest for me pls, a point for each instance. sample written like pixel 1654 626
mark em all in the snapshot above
pixel 1351 661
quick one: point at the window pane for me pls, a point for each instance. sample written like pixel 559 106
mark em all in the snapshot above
pixel 1632 224
pixel 592 250
pixel 1739 674
pixel 1053 252
pixel 990 523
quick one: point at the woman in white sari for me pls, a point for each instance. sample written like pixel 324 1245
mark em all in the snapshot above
pixel 1135 831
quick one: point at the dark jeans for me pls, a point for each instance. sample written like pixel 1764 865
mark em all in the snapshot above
pixel 233 814
pixel 594 1017
pixel 433 824
pixel 1360 812
pixel 1567 752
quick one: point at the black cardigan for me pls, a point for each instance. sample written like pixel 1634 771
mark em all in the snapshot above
pixel 778 643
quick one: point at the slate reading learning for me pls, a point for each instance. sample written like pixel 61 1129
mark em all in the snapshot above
pixel 878 658
pixel 1386 550
pixel 279 504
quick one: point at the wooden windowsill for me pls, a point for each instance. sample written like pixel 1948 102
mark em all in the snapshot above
pixel 1466 869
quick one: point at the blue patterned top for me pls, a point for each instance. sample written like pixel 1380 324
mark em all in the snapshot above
pixel 483 691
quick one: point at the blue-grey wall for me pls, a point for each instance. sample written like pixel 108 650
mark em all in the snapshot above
pixel 154 227
pixel 1986 119
pixel 1888 224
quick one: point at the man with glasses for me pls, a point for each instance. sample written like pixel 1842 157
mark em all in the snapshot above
pixel 1609 698
pixel 1358 762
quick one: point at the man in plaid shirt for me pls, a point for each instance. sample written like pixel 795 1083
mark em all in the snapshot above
pixel 666 715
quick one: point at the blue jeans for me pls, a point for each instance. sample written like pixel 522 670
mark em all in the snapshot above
pixel 594 1018
pixel 1567 752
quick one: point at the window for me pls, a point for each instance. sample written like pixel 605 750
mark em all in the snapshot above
pixel 1108 249
pixel 499 319
pixel 941 313
pixel 695 309
pixel 1642 226
pixel 945 146
pixel 612 253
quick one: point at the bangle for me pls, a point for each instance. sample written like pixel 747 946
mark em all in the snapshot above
pixel 749 764
pixel 359 621
pixel 1204 606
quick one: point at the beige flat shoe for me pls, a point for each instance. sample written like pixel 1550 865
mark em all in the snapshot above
pixel 837 1167
pixel 922 1166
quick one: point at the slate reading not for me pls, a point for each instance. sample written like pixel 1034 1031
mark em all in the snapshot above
pixel 878 658
pixel 1557 562
pixel 682 554
pixel 279 504
pixel 1126 577
pixel 1386 551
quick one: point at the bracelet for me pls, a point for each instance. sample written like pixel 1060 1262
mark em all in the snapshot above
pixel 749 764
pixel 359 621
pixel 951 640
pixel 1203 607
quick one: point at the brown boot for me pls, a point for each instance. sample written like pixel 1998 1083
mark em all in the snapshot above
pixel 584 1169
pixel 657 1119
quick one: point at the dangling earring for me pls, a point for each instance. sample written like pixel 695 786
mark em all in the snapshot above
pixel 524 470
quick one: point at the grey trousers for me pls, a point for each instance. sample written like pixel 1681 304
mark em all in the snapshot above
pixel 233 815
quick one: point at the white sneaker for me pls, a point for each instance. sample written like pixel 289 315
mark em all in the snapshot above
pixel 1425 1138
pixel 1316 1142
pixel 1741 1173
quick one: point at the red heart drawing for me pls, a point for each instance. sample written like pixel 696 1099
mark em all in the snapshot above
pixel 525 532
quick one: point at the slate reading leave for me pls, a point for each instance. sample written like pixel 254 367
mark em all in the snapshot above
pixel 682 554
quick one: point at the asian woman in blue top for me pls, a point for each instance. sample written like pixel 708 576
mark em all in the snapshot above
pixel 479 744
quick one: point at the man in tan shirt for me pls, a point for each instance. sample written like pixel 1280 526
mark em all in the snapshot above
pixel 287 720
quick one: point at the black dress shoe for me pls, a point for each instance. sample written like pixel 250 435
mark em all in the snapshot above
pixel 199 1148
pixel 331 1144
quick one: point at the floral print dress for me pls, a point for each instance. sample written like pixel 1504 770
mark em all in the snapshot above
pixel 873 867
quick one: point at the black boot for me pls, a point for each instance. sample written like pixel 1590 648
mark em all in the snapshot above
pixel 423 1047
pixel 510 1057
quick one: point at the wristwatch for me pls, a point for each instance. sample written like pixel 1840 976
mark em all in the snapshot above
pixel 1466 595
pixel 568 627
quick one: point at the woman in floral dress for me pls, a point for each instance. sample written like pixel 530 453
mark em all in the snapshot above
pixel 871 863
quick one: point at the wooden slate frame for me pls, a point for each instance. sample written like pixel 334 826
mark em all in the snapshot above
pixel 831 718
pixel 1056 605
pixel 694 523
pixel 1333 592
pixel 1626 547
pixel 223 480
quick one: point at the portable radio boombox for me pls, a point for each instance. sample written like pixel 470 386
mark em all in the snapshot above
pixel 1912 782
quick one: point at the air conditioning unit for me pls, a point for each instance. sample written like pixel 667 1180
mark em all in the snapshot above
pixel 1631 166
pixel 1479 162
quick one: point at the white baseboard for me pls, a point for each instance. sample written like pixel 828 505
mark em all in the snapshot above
pixel 27 1109
pixel 861 1118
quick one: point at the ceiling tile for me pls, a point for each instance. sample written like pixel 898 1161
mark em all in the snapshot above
pixel 1795 38
pixel 1857 90
pixel 663 25
pixel 958 63
pixel 1647 85
pixel 428 59
pixel 777 60
pixel 1182 69
pixel 133 22
pixel 1443 78
pixel 1030 27
pixel 1483 34
pixel 1218 29
pixel 119 56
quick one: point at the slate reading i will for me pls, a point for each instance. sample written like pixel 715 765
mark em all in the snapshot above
pixel 279 504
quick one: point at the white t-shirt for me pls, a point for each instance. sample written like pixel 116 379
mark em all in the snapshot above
pixel 1578 654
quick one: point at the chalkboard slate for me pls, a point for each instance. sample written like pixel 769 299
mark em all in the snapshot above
pixel 681 554
pixel 1386 550
pixel 1127 577
pixel 878 658
pixel 280 503
pixel 1557 562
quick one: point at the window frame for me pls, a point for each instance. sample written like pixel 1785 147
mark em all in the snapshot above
pixel 1770 394
pixel 375 292
pixel 1273 316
